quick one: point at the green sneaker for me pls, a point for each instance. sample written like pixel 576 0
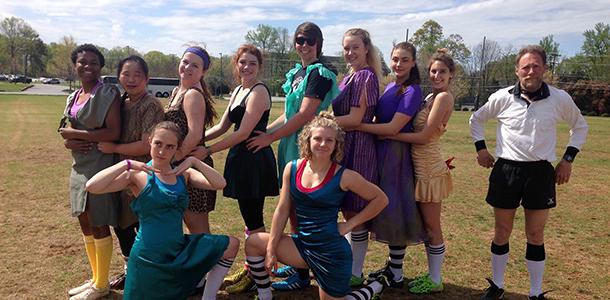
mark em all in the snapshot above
pixel 417 280
pixel 356 281
pixel 427 286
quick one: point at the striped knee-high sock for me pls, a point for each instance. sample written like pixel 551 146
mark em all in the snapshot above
pixel 397 255
pixel 90 249
pixel 256 265
pixel 359 241
pixel 215 277
pixel 367 292
pixel 436 254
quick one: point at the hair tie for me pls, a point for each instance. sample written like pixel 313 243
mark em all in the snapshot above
pixel 204 56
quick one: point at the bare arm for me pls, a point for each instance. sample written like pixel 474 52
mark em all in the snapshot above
pixel 354 182
pixel 281 214
pixel 439 115
pixel 399 120
pixel 355 115
pixel 109 133
pixel 202 176
pixel 277 123
pixel 256 104
pixel 224 124
pixel 118 177
pixel 305 114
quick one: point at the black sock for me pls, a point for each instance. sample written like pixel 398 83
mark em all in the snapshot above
pixel 303 273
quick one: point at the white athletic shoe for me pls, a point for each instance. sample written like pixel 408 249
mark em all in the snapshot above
pixel 92 293
pixel 79 289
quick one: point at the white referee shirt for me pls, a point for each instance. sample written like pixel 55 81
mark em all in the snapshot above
pixel 528 133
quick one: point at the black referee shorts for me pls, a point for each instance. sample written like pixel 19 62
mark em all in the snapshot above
pixel 531 184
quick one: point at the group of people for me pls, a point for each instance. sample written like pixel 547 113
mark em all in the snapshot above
pixel 144 170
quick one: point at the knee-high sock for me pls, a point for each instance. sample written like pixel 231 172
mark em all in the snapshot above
pixel 499 259
pixel 359 241
pixel 256 265
pixel 436 254
pixel 365 293
pixel 103 254
pixel 215 277
pixel 397 255
pixel 535 258
pixel 90 249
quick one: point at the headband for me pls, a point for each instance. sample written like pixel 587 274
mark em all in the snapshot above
pixel 204 56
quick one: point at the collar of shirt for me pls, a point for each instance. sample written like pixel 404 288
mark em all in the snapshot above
pixel 542 93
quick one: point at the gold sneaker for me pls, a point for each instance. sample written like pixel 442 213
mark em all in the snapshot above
pixel 236 277
pixel 246 284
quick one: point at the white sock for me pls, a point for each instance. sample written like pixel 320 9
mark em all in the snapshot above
pixel 498 266
pixel 215 277
pixel 536 270
pixel 365 293
pixel 436 255
pixel 397 255
pixel 256 265
pixel 359 241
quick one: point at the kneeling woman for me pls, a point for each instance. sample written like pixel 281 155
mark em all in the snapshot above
pixel 164 263
pixel 315 184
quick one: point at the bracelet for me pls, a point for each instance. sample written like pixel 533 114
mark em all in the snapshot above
pixel 128 164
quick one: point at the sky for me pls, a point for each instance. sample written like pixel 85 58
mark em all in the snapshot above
pixel 167 26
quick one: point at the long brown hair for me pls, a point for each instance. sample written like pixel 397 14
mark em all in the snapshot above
pixel 414 77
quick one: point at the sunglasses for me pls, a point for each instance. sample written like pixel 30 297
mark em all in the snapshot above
pixel 301 40
pixel 62 123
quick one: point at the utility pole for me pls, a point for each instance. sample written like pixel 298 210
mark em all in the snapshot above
pixel 481 77
pixel 407 36
pixel 221 77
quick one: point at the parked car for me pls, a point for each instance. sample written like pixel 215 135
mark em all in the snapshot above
pixel 21 78
pixel 50 81
pixel 3 77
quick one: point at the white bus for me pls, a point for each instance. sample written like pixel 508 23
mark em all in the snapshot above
pixel 159 87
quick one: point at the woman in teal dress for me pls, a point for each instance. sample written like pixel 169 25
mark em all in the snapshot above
pixel 165 263
pixel 315 184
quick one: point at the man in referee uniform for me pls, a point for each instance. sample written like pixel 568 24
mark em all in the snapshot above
pixel 527 115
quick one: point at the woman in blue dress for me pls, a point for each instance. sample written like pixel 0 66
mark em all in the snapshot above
pixel 315 185
pixel 165 263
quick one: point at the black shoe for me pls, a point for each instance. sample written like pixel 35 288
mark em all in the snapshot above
pixel 539 297
pixel 387 273
pixel 493 292
pixel 118 283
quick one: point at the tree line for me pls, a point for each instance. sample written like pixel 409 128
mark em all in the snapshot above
pixel 482 68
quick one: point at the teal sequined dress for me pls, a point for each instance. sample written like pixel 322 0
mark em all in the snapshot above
pixel 165 263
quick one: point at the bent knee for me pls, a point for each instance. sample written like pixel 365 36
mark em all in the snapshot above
pixel 256 244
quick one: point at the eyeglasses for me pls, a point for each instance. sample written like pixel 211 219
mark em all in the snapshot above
pixel 301 40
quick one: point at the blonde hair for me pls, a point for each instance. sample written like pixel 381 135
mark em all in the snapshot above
pixel 324 120
pixel 372 56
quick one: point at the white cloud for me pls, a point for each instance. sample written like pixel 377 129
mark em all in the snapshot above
pixel 166 26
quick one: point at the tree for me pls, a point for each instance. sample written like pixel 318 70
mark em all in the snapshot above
pixel 162 65
pixel 597 47
pixel 428 37
pixel 552 51
pixel 19 36
pixel 264 37
pixel 114 55
pixel 60 63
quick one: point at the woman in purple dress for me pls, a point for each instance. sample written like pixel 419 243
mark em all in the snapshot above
pixel 399 224
pixel 355 105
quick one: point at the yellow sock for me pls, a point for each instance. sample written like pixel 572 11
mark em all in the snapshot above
pixel 103 251
pixel 90 249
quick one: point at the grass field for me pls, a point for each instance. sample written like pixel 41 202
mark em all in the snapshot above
pixel 5 86
pixel 42 254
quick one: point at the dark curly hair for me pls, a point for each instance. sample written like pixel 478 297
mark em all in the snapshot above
pixel 87 48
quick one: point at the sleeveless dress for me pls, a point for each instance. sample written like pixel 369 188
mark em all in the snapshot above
pixel 103 208
pixel 396 177
pixel 165 263
pixel 359 150
pixel 433 181
pixel 326 252
pixel 201 201
pixel 250 175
